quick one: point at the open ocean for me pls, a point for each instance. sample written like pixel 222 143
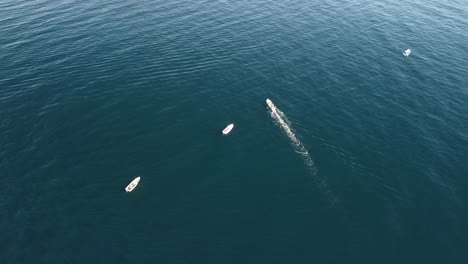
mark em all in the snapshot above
pixel 365 160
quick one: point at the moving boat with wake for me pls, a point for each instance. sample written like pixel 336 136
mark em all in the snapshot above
pixel 270 104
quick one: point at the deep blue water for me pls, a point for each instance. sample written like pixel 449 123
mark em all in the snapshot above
pixel 95 93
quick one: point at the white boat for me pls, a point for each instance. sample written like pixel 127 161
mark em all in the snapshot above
pixel 228 129
pixel 407 53
pixel 132 185
pixel 270 104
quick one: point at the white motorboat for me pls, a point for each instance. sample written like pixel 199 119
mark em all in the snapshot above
pixel 270 104
pixel 133 184
pixel 228 129
pixel 407 52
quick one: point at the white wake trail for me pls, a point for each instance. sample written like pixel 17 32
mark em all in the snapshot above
pixel 281 119
pixel 277 115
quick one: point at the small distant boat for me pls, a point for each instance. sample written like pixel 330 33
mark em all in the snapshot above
pixel 132 185
pixel 228 129
pixel 407 53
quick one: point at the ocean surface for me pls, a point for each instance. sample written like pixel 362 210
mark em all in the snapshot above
pixel 364 160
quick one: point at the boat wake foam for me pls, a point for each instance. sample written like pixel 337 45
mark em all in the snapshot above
pixel 283 122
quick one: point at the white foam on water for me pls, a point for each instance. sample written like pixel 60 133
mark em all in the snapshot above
pixel 280 118
pixel 282 121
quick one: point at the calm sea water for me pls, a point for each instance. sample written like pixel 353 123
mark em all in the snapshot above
pixel 95 93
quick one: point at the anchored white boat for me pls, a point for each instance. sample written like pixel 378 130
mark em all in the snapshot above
pixel 407 52
pixel 228 129
pixel 133 184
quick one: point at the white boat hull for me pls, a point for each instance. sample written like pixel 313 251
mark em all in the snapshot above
pixel 407 53
pixel 270 104
pixel 132 184
pixel 228 129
